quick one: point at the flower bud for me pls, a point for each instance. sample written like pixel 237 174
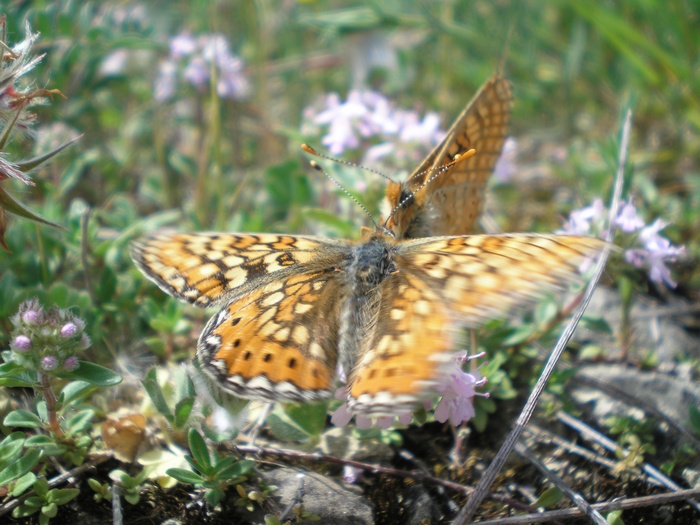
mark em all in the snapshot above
pixel 49 362
pixel 68 330
pixel 22 343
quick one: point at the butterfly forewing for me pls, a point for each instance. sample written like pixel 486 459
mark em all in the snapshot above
pixel 208 269
pixel 481 277
pixel 450 204
pixel 444 283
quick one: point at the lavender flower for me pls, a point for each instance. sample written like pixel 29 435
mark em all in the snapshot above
pixel 645 248
pixel 49 362
pixel 367 118
pixel 628 220
pixel 30 317
pixel 68 330
pixel 21 343
pixel 44 339
pixel 71 364
pixel 193 60
pixel 506 165
pixel 458 393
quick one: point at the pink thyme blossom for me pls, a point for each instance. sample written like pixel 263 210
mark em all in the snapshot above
pixel 71 364
pixel 22 343
pixel 49 362
pixel 68 330
pixel 645 249
pixel 628 220
pixel 457 403
pixel 368 116
pixel 30 317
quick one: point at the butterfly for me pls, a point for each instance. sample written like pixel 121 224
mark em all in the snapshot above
pixel 293 309
pixel 435 201
pixel 387 309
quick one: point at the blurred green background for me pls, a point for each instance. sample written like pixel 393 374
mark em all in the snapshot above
pixel 197 160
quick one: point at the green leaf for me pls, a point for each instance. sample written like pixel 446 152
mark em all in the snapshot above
pixel 30 164
pixel 183 409
pixel 615 518
pixel 23 418
pixel 11 446
pixel 694 416
pixel 63 496
pixel 284 428
pixel 519 335
pixel 23 483
pixel 76 391
pixel 214 496
pixel 199 450
pixel 150 383
pixel 81 422
pixel 41 487
pixel 549 498
pixel 591 353
pixel 238 469
pixel 545 313
pixel 15 207
pixel 311 417
pixel 94 374
pixel 597 324
pixel 13 375
pixel 20 467
pixel 49 511
pixel 185 476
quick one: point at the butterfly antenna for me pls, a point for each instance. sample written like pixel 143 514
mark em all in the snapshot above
pixel 315 165
pixel 457 159
pixel 308 149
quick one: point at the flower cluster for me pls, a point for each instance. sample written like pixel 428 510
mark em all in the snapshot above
pixel 645 247
pixel 367 117
pixel 47 340
pixel 198 61
pixel 457 389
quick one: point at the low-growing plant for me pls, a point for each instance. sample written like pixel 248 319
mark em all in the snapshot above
pixel 211 472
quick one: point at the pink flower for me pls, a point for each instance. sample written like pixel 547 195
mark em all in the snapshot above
pixel 68 330
pixel 71 364
pixel 49 362
pixel 458 393
pixel 628 220
pixel 22 343
pixel 30 317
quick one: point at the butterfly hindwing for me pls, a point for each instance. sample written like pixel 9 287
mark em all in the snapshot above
pixel 279 342
pixel 404 355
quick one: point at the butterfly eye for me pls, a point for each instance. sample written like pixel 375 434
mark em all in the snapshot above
pixel 407 197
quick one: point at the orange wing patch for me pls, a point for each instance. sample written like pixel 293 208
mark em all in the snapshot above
pixel 405 355
pixel 279 342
